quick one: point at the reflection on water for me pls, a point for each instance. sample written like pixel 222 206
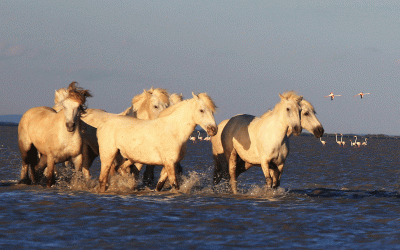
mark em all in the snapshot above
pixel 330 197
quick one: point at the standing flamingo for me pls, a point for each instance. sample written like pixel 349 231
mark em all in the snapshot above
pixel 338 142
pixel 341 140
pixel 323 142
pixel 365 142
pixel 356 143
pixel 192 138
pixel 361 94
pixel 198 136
pixel 332 96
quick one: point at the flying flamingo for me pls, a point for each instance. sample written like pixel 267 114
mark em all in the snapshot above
pixel 332 96
pixel 361 94
pixel 198 136
pixel 323 142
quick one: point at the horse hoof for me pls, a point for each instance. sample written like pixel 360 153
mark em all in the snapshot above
pixel 25 182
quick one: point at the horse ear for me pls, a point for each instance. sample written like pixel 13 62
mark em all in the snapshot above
pixel 301 98
pixel 281 96
pixel 194 96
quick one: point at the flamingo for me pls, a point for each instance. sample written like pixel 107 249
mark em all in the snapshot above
pixel 341 140
pixel 332 96
pixel 338 142
pixel 356 143
pixel 198 136
pixel 323 142
pixel 207 138
pixel 361 94
pixel 365 142
pixel 192 138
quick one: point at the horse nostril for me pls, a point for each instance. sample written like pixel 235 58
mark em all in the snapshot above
pixel 70 126
pixel 212 130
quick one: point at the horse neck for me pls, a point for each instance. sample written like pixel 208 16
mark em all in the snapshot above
pixel 274 122
pixel 181 118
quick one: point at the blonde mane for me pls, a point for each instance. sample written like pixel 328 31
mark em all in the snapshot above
pixel 291 95
pixel 175 98
pixel 160 93
pixel 74 92
pixel 207 100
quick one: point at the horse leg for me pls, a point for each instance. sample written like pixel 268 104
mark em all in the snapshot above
pixel 50 171
pixel 170 172
pixel 232 171
pixel 107 159
pixel 276 174
pixel 162 179
pixel 29 161
pixel 88 157
pixel 266 171
pixel 148 175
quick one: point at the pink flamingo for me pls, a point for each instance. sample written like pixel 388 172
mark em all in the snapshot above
pixel 332 96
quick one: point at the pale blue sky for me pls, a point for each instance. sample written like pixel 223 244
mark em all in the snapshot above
pixel 242 53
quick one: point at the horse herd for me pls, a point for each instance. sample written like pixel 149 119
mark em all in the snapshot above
pixel 153 131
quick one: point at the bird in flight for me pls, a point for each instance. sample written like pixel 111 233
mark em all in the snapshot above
pixel 332 96
pixel 361 94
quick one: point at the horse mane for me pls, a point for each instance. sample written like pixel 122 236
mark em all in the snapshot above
pixel 290 95
pixel 78 94
pixel 162 94
pixel 207 100
pixel 175 98
pixel 308 105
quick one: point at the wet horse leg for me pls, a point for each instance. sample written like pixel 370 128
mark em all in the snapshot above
pixel 148 175
pixel 169 170
pixel 266 171
pixel 232 171
pixel 50 171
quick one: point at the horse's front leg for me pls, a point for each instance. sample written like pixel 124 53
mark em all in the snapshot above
pixel 276 174
pixel 50 171
pixel 266 171
pixel 170 172
pixel 232 171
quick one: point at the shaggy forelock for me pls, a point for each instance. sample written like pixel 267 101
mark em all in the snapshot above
pixel 208 101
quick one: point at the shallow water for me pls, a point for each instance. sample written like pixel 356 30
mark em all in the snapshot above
pixel 330 197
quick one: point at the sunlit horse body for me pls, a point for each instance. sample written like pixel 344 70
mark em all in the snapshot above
pixel 148 175
pixel 154 142
pixel 146 106
pixel 53 135
pixel 245 140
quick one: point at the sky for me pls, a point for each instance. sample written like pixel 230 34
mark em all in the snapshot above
pixel 242 53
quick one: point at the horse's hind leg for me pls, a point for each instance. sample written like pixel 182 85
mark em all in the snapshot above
pixel 148 175
pixel 29 160
pixel 232 171
pixel 162 179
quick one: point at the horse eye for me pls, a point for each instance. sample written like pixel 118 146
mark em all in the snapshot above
pixel 287 109
pixel 156 107
pixel 202 110
pixel 306 113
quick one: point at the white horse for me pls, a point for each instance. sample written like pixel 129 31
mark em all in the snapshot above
pixel 245 140
pixel 53 135
pixel 154 142
pixel 147 106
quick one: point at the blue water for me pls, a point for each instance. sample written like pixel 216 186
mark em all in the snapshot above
pixel 330 197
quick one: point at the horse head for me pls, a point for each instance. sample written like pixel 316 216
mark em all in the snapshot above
pixel 74 105
pixel 309 121
pixel 204 113
pixel 150 103
pixel 291 110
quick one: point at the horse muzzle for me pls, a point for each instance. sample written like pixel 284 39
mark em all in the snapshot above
pixel 70 126
pixel 212 130
pixel 297 130
pixel 318 132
